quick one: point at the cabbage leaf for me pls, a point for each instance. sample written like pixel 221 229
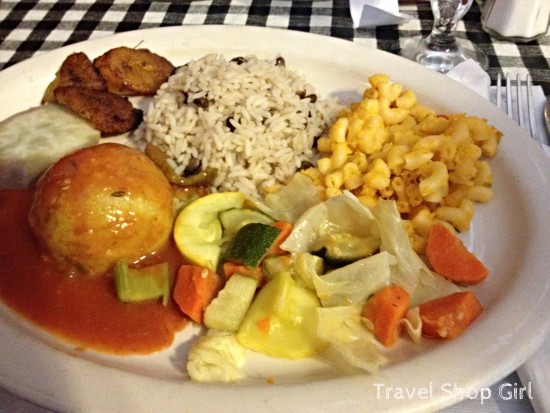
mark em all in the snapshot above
pixel 354 283
pixel 292 200
pixel 340 214
pixel 343 328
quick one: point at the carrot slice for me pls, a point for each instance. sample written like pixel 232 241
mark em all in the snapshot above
pixel 286 229
pixel 195 287
pixel 231 267
pixel 385 309
pixel 264 324
pixel 448 316
pixel 450 258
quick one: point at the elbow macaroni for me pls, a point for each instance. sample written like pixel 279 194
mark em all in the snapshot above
pixel 434 184
pixel 389 146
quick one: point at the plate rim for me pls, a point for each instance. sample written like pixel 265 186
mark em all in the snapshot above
pixel 265 397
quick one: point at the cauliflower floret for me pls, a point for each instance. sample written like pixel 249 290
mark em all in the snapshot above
pixel 216 357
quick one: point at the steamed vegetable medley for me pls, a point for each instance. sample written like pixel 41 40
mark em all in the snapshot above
pixel 294 279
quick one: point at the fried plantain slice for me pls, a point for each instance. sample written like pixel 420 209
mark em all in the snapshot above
pixel 76 70
pixel 133 72
pixel 109 113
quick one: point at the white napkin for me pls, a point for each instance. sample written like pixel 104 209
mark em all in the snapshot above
pixel 536 370
pixel 372 13
pixel 470 74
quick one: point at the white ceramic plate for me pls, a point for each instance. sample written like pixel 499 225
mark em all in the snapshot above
pixel 510 235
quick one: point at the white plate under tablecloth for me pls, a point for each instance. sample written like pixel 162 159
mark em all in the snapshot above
pixel 510 235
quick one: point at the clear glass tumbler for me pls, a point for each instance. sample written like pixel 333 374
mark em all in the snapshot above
pixel 442 50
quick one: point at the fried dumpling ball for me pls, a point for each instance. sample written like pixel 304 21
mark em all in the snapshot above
pixel 100 205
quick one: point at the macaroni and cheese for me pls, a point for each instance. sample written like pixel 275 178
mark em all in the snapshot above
pixel 389 146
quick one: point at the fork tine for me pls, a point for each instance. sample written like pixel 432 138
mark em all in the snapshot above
pixel 519 101
pixel 531 111
pixel 508 91
pixel 524 110
pixel 499 91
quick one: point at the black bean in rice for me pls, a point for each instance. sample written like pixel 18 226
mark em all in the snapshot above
pixel 253 120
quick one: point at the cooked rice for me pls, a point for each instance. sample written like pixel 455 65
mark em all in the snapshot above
pixel 256 130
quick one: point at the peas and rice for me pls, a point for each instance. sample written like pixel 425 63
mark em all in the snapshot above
pixel 253 120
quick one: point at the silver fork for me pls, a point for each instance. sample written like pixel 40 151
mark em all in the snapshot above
pixel 525 106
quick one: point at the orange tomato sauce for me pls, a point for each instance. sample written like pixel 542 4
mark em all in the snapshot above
pixel 82 310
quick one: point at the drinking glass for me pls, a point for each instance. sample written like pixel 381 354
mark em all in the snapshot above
pixel 442 50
